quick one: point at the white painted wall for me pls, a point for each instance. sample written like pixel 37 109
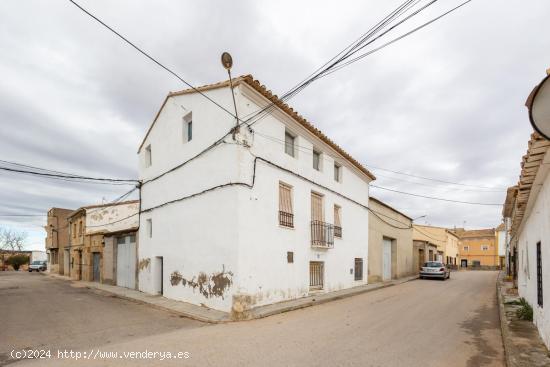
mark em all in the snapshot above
pixel 236 228
pixel 112 218
pixel 535 228
pixel 501 243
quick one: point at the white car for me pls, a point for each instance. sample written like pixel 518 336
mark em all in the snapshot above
pixel 435 269
pixel 37 266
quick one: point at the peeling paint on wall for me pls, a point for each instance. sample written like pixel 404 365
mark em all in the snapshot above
pixel 144 263
pixel 214 285
pixel 175 278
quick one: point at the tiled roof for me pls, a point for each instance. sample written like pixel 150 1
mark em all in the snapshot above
pixel 261 89
pixel 530 164
pixel 475 233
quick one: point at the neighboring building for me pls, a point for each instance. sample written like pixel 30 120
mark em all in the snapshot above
pixel 103 243
pixel 501 244
pixel 444 240
pixel 527 210
pixel 275 212
pixel 390 243
pixel 478 248
pixel 423 250
pixel 57 239
pixel 529 213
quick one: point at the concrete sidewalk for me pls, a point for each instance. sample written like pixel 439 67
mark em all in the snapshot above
pixel 209 315
pixel 522 343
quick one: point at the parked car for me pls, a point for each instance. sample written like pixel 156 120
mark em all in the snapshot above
pixel 37 265
pixel 435 269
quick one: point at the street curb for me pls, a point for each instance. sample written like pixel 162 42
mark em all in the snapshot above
pixel 254 314
pixel 503 322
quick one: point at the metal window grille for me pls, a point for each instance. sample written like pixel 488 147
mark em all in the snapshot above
pixel 337 222
pixel 286 217
pixel 316 274
pixel 316 160
pixel 539 276
pixel 358 269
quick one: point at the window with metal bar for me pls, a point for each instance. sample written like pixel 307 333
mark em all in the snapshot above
pixel 286 216
pixel 539 276
pixel 316 160
pixel 337 221
pixel 358 268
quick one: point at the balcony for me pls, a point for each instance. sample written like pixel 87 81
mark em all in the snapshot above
pixel 322 234
pixel 286 219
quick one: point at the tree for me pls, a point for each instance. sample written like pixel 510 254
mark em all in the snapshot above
pixel 11 239
pixel 17 260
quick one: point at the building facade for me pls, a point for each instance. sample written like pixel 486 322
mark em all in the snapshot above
pixel 103 237
pixel 235 218
pixel 390 243
pixel 527 207
pixel 57 239
pixel 478 248
pixel 501 244
pixel 445 241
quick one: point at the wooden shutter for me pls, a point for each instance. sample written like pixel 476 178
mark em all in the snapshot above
pixel 285 198
pixel 337 219
pixel 317 207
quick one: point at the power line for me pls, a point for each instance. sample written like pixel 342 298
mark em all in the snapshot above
pixel 433 197
pixel 308 150
pixel 69 176
pixel 150 57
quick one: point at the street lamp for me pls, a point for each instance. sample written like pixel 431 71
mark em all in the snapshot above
pixel 422 216
pixel 538 104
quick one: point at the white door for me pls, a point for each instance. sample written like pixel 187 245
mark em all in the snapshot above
pixel 126 262
pixel 386 259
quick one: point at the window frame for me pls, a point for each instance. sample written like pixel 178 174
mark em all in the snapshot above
pixel 149 222
pixel 358 275
pixel 288 134
pixel 286 209
pixel 148 156
pixel 317 153
pixel 187 127
pixel 337 172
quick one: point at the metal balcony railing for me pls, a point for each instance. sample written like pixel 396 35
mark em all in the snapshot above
pixel 322 234
pixel 337 231
pixel 286 219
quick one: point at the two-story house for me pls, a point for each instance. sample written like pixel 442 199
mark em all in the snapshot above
pixel 57 240
pixel 103 243
pixel 235 218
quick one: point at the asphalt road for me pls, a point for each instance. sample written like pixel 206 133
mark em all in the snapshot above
pixel 419 323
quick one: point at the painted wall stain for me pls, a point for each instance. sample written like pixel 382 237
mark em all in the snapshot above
pixel 175 278
pixel 144 263
pixel 214 285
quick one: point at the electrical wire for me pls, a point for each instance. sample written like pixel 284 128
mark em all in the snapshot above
pixel 435 198
pixel 67 176
pixel 173 73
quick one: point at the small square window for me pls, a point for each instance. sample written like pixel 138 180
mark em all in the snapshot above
pixel 466 248
pixel 150 227
pixel 148 156
pixel 188 127
pixel 290 257
pixel 484 248
pixel 289 144
pixel 316 160
pixel 337 172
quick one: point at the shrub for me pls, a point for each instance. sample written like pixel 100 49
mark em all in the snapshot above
pixel 525 312
pixel 17 260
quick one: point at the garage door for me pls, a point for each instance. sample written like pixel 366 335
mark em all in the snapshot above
pixel 386 259
pixel 126 262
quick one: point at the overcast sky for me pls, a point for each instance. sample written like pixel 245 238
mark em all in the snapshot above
pixel 447 102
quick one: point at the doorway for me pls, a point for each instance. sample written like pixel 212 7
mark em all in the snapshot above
pixel 316 275
pixel 66 263
pixel 386 259
pixel 463 263
pixel 95 266
pixel 126 262
pixel 159 275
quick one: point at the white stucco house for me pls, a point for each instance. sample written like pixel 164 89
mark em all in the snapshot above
pixel 527 208
pixel 233 219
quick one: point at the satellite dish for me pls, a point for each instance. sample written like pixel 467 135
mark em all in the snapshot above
pixel 227 60
pixel 539 108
